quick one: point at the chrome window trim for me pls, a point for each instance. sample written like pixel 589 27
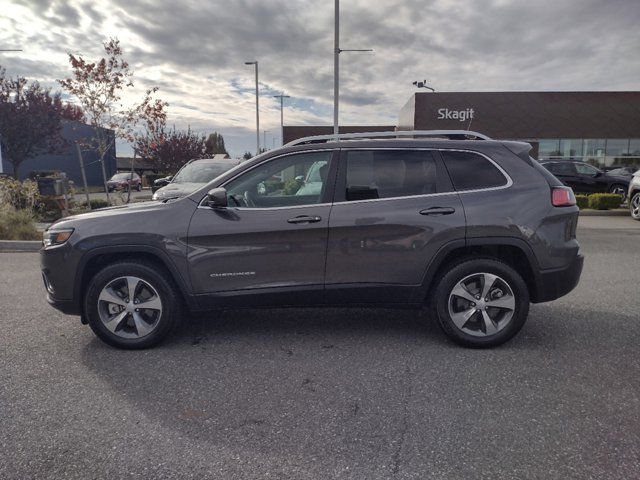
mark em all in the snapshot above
pixel 460 192
pixel 351 202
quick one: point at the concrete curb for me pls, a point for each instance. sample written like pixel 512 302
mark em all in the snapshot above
pixel 619 212
pixel 20 245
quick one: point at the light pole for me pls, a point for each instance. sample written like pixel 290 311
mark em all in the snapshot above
pixel 336 66
pixel 255 62
pixel 264 138
pixel 282 96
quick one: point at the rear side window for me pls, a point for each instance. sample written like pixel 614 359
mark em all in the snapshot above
pixel 389 173
pixel 470 171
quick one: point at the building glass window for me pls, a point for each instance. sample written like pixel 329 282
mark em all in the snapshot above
pixel 594 147
pixel 617 147
pixel 548 148
pixel 634 147
pixel 571 147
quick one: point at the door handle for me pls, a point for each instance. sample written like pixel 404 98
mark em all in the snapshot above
pixel 438 211
pixel 305 219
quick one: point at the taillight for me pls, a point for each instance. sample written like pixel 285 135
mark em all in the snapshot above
pixel 562 197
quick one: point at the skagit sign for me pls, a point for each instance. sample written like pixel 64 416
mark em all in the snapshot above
pixel 460 115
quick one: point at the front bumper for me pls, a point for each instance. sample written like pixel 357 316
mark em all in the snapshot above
pixel 556 283
pixel 58 266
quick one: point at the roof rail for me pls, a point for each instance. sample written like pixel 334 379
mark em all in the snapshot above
pixel 450 134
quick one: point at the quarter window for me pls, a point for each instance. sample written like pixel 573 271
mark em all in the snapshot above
pixel 389 173
pixel 293 180
pixel 470 171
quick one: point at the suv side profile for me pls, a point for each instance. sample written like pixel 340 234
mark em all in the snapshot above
pixel 471 228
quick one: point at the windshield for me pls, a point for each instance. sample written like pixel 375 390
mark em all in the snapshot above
pixel 201 172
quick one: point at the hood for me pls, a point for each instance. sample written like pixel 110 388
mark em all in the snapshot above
pixel 176 190
pixel 618 178
pixel 108 212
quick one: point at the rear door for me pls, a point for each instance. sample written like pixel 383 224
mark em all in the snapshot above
pixel 393 210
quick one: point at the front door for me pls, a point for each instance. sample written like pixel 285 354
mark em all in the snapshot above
pixel 272 237
pixel 394 209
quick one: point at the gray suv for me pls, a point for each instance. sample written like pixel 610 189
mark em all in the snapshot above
pixel 471 228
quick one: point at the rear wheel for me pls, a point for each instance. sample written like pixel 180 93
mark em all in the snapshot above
pixel 481 303
pixel 131 305
pixel 634 206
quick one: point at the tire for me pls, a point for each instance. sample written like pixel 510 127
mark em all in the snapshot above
pixel 116 320
pixel 620 190
pixel 465 320
pixel 634 206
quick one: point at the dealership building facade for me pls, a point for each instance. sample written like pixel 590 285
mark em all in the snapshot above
pixel 602 128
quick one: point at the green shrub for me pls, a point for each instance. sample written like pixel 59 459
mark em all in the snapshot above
pixel 604 201
pixel 98 203
pixel 17 225
pixel 19 195
pixel 291 187
pixel 582 201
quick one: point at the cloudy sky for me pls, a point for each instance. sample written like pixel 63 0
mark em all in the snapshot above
pixel 195 52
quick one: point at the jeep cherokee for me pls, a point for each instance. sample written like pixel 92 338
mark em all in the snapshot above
pixel 469 227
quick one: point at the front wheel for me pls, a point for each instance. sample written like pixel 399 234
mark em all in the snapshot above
pixel 131 305
pixel 481 303
pixel 634 206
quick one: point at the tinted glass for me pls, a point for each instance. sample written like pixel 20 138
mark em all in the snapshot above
pixel 470 171
pixel 584 169
pixel 201 172
pixel 286 181
pixel 560 168
pixel 389 173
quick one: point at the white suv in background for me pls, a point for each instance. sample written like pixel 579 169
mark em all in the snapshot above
pixel 634 196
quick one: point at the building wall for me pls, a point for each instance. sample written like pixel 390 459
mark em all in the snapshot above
pixel 67 161
pixel 602 128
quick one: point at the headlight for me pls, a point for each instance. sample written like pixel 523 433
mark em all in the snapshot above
pixel 51 238
pixel 155 196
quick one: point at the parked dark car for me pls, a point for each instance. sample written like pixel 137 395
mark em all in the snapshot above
pixel 160 182
pixel 585 178
pixel 623 171
pixel 124 181
pixel 192 176
pixel 425 222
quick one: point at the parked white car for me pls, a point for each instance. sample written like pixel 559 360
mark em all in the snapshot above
pixel 634 196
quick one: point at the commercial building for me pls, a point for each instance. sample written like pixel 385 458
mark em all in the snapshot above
pixel 602 128
pixel 67 160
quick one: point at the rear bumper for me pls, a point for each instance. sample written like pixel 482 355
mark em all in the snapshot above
pixel 553 284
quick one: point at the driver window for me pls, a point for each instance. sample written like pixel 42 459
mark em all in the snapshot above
pixel 293 180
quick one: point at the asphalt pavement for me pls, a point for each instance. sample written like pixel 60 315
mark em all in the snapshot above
pixel 330 393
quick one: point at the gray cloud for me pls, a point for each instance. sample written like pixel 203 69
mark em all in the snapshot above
pixel 194 51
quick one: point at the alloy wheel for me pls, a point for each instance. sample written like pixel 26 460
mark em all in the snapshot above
pixel 635 206
pixel 129 307
pixel 481 304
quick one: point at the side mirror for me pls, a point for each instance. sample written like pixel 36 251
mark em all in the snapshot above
pixel 216 198
pixel 300 178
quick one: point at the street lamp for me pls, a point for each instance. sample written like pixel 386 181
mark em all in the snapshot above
pixel 282 96
pixel 423 84
pixel 255 62
pixel 336 65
